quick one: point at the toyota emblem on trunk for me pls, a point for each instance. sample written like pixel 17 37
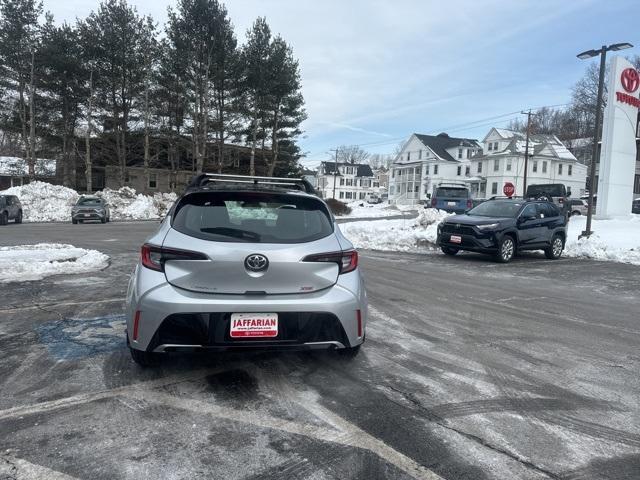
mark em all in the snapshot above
pixel 256 262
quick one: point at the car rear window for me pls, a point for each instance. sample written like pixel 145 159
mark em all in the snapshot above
pixel 89 202
pixel 253 217
pixel 452 192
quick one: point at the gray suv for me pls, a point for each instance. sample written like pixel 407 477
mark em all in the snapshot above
pixel 242 263
pixel 10 209
pixel 89 208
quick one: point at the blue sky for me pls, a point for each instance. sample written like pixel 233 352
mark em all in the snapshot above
pixel 374 72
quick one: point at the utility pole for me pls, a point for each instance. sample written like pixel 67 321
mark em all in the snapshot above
pixel 526 151
pixel 335 171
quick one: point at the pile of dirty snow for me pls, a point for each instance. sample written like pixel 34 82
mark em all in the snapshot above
pixel 34 262
pixel 616 239
pixel 403 235
pixel 43 202
pixel 362 209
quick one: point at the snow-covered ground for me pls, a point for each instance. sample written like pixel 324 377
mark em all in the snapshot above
pixel 614 240
pixel 34 262
pixel 362 209
pixel 44 202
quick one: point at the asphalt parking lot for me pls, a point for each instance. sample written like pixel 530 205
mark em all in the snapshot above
pixel 471 369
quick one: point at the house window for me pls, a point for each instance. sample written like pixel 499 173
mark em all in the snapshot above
pixel 544 167
pixel 426 189
pixel 569 169
pixel 341 194
pixel 490 147
pixel 435 169
pixel 494 188
pixel 459 153
pixel 508 165
pixel 153 180
pixel 495 146
pixel 408 156
pixel 535 167
pixel 479 167
pixel 467 170
pixel 342 182
pixel 469 152
pixel 459 170
pixel 496 165
pixel 419 154
pixel 416 189
pixel 559 169
pixel 427 170
pixel 361 195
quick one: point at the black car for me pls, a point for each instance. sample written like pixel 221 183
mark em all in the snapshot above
pixel 10 209
pixel 502 227
pixel 635 207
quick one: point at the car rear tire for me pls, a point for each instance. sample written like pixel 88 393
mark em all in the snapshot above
pixel 103 220
pixel 145 359
pixel 4 218
pixel 575 212
pixel 554 252
pixel 18 218
pixel 449 251
pixel 506 249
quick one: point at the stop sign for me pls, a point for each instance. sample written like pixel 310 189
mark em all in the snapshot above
pixel 509 189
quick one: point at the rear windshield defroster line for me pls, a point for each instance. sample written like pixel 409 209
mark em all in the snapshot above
pixel 252 217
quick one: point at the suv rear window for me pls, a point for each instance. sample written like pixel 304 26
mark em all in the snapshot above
pixel 253 217
pixel 553 190
pixel 89 202
pixel 452 192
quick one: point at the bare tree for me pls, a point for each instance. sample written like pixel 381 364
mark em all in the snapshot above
pixel 351 154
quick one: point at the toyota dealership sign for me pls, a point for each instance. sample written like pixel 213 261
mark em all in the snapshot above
pixel 618 154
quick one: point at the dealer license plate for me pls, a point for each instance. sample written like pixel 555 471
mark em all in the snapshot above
pixel 451 204
pixel 254 325
pixel 455 239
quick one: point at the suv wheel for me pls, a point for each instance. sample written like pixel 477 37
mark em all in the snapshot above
pixel 18 218
pixel 145 359
pixel 4 218
pixel 555 250
pixel 449 251
pixel 506 249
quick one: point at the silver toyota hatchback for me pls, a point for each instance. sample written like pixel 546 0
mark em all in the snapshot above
pixel 242 263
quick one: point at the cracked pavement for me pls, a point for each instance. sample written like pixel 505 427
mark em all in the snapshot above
pixel 471 370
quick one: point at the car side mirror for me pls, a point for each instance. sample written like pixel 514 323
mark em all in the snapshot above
pixel 524 218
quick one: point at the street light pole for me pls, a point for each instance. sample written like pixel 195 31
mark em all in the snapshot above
pixel 592 171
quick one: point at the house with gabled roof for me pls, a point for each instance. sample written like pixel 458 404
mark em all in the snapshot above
pixel 503 157
pixel 346 181
pixel 425 161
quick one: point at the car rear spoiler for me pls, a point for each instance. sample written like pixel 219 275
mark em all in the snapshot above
pixel 278 182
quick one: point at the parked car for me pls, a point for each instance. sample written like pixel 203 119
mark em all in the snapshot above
pixel 373 198
pixel 10 209
pixel 577 206
pixel 635 207
pixel 90 208
pixel 502 227
pixel 452 198
pixel 242 263
pixel 554 192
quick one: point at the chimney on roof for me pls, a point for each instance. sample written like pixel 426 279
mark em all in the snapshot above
pixel 443 135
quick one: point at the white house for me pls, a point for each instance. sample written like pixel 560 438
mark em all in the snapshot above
pixel 502 160
pixel 352 181
pixel 428 160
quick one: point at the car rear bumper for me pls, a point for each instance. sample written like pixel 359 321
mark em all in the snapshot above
pixel 173 319
pixel 88 216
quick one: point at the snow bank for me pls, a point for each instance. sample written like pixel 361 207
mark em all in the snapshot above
pixel 416 235
pixel 43 202
pixel 362 209
pixel 615 240
pixel 34 262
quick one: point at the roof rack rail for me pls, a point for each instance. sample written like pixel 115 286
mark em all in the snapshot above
pixel 294 183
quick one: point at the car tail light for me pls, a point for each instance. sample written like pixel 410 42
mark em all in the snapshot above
pixel 561 200
pixel 469 203
pixel 434 201
pixel 154 257
pixel 347 261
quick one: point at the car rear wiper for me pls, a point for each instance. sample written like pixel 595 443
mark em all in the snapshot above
pixel 232 232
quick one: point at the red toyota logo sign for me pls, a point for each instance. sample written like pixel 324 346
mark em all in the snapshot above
pixel 509 189
pixel 630 79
